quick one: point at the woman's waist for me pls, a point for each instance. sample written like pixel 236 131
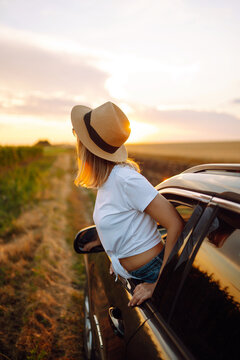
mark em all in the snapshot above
pixel 134 262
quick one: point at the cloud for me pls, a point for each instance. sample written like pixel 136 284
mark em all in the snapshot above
pixel 31 76
pixel 38 103
pixel 182 124
pixel 236 101
pixel 187 117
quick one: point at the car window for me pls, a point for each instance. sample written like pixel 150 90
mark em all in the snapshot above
pixel 206 317
pixel 165 291
pixel 185 211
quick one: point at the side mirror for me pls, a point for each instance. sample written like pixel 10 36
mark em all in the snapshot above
pixel 86 236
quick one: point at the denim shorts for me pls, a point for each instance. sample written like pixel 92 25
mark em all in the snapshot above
pixel 150 271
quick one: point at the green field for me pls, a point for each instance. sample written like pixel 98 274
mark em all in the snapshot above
pixel 22 177
pixel 228 151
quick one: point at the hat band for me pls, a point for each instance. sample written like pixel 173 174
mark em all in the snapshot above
pixel 96 138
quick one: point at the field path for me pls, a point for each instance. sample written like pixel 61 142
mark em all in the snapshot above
pixel 41 294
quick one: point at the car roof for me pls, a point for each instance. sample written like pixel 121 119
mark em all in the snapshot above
pixel 222 180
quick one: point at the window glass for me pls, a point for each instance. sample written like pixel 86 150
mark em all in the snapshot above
pixel 231 248
pixel 165 291
pixel 206 317
pixel 185 211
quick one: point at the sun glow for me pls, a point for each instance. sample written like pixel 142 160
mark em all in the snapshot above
pixel 141 131
pixel 27 130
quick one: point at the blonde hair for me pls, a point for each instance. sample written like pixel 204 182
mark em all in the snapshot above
pixel 93 171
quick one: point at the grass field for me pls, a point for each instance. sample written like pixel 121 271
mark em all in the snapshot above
pixel 228 151
pixel 41 278
pixel 22 177
pixel 161 161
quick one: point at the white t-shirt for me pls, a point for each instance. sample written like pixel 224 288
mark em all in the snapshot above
pixel 122 225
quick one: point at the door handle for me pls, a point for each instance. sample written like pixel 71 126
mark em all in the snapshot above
pixel 116 320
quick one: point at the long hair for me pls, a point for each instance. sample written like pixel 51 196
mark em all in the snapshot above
pixel 93 171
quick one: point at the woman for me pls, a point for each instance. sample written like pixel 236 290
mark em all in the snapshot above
pixel 127 206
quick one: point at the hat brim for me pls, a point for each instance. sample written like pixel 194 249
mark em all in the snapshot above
pixel 79 126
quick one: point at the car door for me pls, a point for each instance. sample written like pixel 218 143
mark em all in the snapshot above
pixel 113 322
pixel 154 339
pixel 198 308
pixel 206 315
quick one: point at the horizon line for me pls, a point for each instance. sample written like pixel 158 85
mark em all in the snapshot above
pixel 132 143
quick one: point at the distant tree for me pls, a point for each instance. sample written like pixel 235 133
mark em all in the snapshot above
pixel 43 143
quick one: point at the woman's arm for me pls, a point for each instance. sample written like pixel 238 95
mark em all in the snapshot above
pixel 166 215
pixel 161 210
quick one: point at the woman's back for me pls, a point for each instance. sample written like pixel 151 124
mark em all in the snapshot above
pixel 123 227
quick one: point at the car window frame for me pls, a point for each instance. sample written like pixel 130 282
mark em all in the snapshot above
pixel 182 197
pixel 187 198
pixel 212 207
pixel 216 207
pixel 205 221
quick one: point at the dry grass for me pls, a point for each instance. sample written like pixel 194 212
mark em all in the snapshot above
pixel 158 169
pixel 161 161
pixel 221 151
pixel 41 293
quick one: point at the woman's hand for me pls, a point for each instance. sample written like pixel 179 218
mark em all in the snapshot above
pixel 111 269
pixel 141 293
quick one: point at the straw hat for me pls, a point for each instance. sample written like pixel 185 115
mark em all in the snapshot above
pixel 103 130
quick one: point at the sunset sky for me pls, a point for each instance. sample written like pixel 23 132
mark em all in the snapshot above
pixel 172 66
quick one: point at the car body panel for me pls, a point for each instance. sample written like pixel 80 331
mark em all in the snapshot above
pixel 111 345
pixel 222 185
pixel 105 293
pixel 209 304
pixel 154 341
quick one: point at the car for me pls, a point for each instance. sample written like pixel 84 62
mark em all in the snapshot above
pixel 194 312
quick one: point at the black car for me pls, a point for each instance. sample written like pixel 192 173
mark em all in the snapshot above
pixel 194 311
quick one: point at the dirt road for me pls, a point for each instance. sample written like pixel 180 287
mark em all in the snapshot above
pixel 41 292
